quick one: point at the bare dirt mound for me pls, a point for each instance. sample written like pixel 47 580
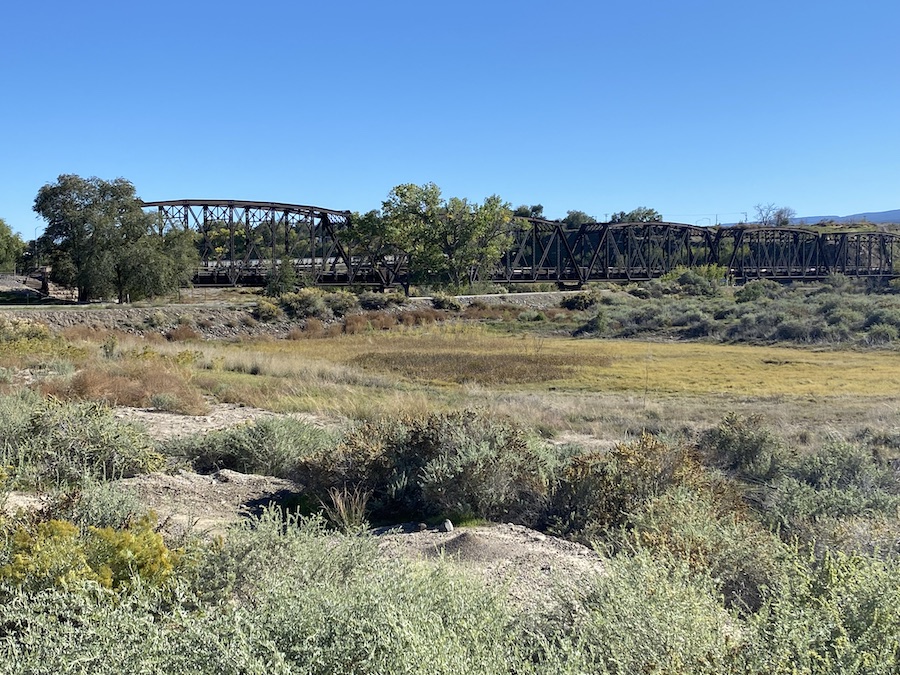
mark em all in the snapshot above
pixel 207 504
pixel 527 563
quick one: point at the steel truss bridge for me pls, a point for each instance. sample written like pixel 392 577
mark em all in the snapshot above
pixel 241 242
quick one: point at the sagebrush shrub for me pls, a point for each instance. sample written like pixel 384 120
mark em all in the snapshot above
pixel 276 446
pixel 465 463
pixel 61 443
pixel 598 490
pixel 745 446
pixel 341 303
pixel 306 303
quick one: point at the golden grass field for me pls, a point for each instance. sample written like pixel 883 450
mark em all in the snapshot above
pixel 606 389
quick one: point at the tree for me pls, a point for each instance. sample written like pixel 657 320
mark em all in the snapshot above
pixel 11 247
pixel 533 211
pixel 768 215
pixel 576 218
pixel 641 214
pixel 100 240
pixel 453 239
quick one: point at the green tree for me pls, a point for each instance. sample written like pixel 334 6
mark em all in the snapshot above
pixel 453 239
pixel 533 211
pixel 11 247
pixel 101 241
pixel 641 214
pixel 576 218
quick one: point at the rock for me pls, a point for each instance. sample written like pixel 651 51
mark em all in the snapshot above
pixel 446 526
pixel 421 527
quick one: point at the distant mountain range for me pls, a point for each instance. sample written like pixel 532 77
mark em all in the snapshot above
pixel 871 217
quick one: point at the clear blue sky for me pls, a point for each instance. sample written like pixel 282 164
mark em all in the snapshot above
pixel 694 108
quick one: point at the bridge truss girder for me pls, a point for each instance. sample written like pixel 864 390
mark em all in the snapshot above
pixel 242 242
pixel 551 251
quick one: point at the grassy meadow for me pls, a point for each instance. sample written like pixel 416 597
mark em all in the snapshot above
pixel 730 452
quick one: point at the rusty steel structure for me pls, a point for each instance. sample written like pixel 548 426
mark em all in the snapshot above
pixel 242 242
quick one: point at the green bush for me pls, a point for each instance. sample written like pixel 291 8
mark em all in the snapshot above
pixel 598 491
pixel 838 615
pixel 55 553
pixel 267 311
pixel 745 561
pixel 370 300
pixel 306 303
pixel 459 463
pixel 744 446
pixel 275 446
pixel 645 615
pixel 757 290
pixel 59 444
pixel 444 301
pixel 341 303
pixel 882 333
pixel 578 302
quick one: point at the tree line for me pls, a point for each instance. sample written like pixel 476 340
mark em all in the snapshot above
pixel 100 241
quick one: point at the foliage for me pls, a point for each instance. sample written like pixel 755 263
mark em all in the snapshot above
pixel 838 615
pixel 52 443
pixel 599 490
pixel 452 239
pixel 712 536
pixel 646 615
pixel 462 463
pixel 282 278
pixel 341 303
pixel 641 214
pixel 745 446
pixel 306 303
pixel 268 446
pixel 760 288
pixel 267 311
pixel 444 301
pixel 11 248
pixel 100 240
pixel 578 302
pixel 370 300
pixel 56 553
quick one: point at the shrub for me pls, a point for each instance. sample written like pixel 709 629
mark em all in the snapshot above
pixel 758 289
pixel 276 446
pixel 837 615
pixel 341 303
pixel 370 300
pixel 599 490
pixel 56 553
pixel 645 615
pixel 64 442
pixel 447 302
pixel 307 302
pixel 103 504
pixel 745 446
pixel 460 463
pixel 182 332
pixel 578 302
pixel 743 559
pixel 267 311
pixel 882 333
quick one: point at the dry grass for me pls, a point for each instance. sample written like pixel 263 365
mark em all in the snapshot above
pixel 137 383
pixel 609 389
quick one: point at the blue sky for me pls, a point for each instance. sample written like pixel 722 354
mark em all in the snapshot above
pixel 694 108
